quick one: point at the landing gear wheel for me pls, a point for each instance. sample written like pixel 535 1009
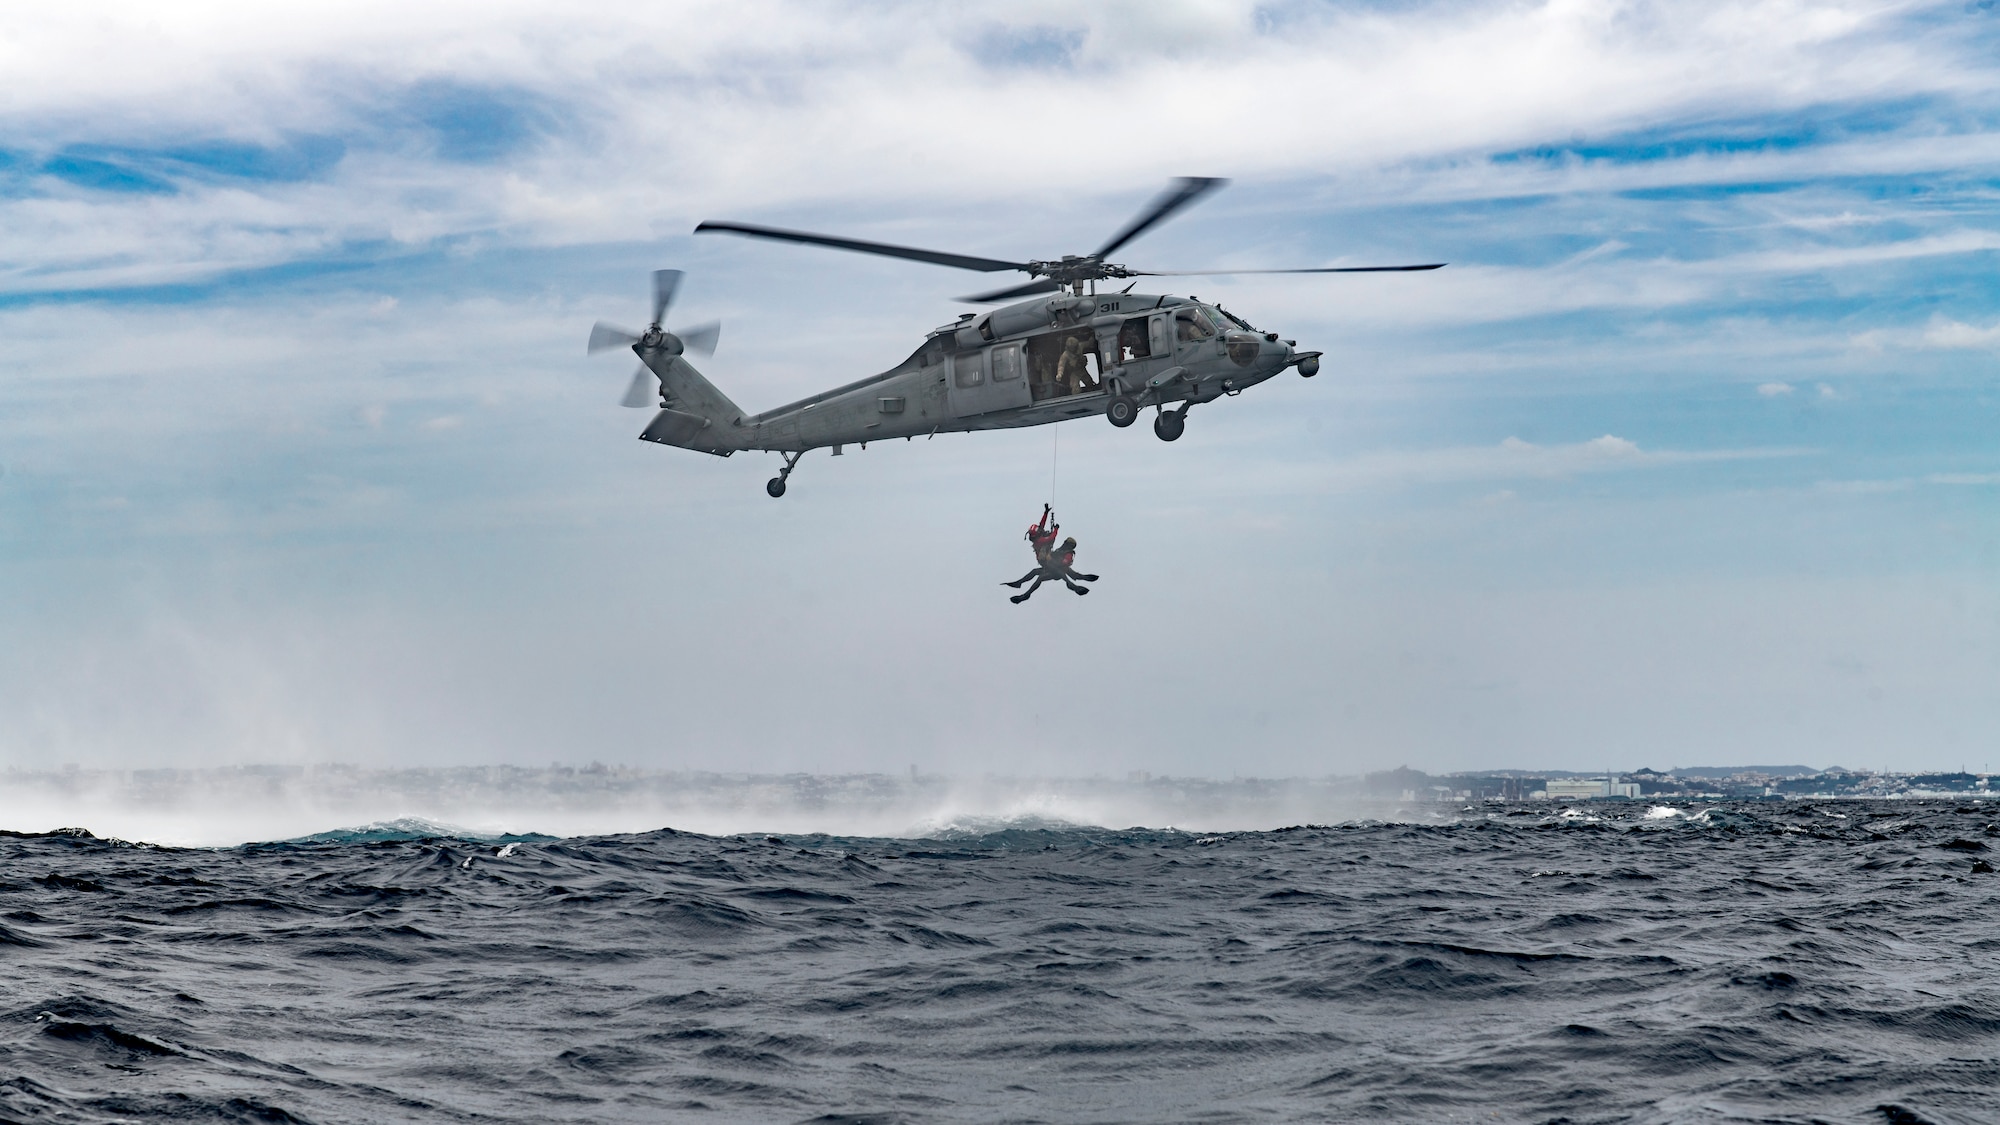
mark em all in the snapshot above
pixel 1170 425
pixel 776 485
pixel 1122 411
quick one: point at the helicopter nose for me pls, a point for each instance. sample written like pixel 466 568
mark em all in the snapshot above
pixel 1275 354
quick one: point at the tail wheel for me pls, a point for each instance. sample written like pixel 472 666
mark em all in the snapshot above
pixel 775 486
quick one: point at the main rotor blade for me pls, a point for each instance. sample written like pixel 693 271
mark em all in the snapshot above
pixel 665 283
pixel 702 337
pixel 640 392
pixel 1041 285
pixel 1327 269
pixel 935 257
pixel 1182 192
pixel 604 336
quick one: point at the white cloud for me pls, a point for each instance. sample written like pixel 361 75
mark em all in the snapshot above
pixel 1940 333
pixel 1610 446
pixel 1773 390
pixel 1489 293
pixel 659 115
pixel 1947 333
pixel 1865 487
pixel 1514 459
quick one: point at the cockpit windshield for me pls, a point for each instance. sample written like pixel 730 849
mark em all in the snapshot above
pixel 1222 314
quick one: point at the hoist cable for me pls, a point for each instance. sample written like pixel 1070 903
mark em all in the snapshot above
pixel 1054 453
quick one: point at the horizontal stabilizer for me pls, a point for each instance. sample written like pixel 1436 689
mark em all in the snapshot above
pixel 688 431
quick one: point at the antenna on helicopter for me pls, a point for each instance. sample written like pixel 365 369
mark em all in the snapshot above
pixel 1071 271
pixel 701 338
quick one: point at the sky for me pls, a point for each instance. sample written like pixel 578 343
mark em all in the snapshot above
pixel 1687 456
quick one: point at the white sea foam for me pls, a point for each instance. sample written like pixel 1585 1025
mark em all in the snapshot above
pixel 223 807
pixel 1663 812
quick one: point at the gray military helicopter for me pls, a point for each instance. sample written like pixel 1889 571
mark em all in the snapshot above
pixel 1066 352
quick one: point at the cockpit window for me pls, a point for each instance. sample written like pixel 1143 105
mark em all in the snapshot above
pixel 1192 324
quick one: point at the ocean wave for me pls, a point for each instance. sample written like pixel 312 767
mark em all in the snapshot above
pixel 412 828
pixel 1754 961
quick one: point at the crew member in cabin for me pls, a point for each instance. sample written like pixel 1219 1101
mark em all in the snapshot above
pixel 1132 340
pixel 1072 373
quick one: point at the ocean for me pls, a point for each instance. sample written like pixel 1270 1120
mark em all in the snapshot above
pixel 1771 961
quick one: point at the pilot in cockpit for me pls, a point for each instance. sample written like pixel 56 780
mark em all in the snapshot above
pixel 1190 325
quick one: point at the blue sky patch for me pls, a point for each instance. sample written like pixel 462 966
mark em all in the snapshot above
pixel 1753 136
pixel 74 167
pixel 472 124
pixel 160 170
pixel 1032 47
pixel 301 158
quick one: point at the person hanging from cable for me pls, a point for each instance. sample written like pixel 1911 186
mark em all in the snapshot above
pixel 1041 536
pixel 1051 561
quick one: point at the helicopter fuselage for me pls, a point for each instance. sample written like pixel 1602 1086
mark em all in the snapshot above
pixel 1002 369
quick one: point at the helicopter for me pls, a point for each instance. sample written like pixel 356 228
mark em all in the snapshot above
pixel 1066 352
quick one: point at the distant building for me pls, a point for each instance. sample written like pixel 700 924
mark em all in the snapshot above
pixel 1585 788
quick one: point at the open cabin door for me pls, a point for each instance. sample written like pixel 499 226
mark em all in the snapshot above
pixel 986 380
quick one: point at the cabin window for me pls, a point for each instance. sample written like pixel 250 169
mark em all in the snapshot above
pixel 1006 363
pixel 1132 340
pixel 969 369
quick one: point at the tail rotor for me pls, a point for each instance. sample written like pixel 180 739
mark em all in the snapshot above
pixel 700 339
pixel 644 386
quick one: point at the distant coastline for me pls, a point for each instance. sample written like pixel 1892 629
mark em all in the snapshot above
pixel 597 782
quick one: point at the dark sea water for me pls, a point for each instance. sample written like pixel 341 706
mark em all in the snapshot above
pixel 1772 962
